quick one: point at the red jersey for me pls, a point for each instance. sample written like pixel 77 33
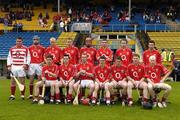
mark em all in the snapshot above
pixel 18 56
pixel 148 53
pixel 52 68
pixel 73 53
pixel 155 72
pixel 88 67
pixel 136 72
pixel 66 72
pixel 107 52
pixel 118 73
pixel 125 54
pixel 91 53
pixel 37 53
pixel 102 74
pixel 55 51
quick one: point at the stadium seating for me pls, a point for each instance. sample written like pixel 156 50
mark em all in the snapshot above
pixel 8 40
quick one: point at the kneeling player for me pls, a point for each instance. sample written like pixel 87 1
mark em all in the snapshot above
pixel 49 78
pixel 66 74
pixel 85 76
pixel 155 72
pixel 119 81
pixel 135 76
pixel 102 75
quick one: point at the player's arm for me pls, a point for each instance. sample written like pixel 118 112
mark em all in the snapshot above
pixel 9 60
pixel 165 76
pixel 130 79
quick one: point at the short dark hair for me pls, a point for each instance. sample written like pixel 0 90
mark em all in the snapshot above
pixel 124 40
pixel 20 38
pixel 151 41
pixel 49 56
pixel 66 55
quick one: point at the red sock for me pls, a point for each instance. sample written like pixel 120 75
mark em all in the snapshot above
pixel 130 99
pixel 31 89
pixel 13 89
pixel 52 97
pixel 107 98
pixel 163 99
pixel 23 92
pixel 145 99
pixel 57 96
pixel 69 96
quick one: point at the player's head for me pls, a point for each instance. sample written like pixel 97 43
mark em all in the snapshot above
pixel 152 60
pixel 136 58
pixel 102 60
pixel 36 40
pixel 124 43
pixel 88 42
pixel 19 41
pixel 84 58
pixel 49 59
pixel 118 60
pixel 53 41
pixel 70 42
pixel 65 59
pixel 104 43
pixel 151 45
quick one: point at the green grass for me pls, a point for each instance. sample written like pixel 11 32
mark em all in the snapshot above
pixel 24 110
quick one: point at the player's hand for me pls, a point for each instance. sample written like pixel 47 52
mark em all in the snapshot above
pixel 25 67
pixel 9 68
pixel 44 81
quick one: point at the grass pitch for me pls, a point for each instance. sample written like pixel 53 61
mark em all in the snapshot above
pixel 24 110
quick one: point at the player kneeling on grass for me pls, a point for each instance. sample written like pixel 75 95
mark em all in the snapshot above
pixel 135 76
pixel 85 76
pixel 102 76
pixel 66 74
pixel 119 81
pixel 49 78
pixel 154 72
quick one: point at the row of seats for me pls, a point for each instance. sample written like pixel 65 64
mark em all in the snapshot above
pixel 8 40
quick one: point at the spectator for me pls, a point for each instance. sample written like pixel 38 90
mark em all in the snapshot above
pixel 61 26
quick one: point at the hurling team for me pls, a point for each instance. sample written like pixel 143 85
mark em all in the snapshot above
pixel 94 69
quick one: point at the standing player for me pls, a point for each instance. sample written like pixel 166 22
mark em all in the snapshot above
pixel 135 76
pixel 102 77
pixel 151 51
pixel 124 52
pixel 118 72
pixel 157 74
pixel 72 51
pixel 37 57
pixel 85 75
pixel 105 51
pixel 49 77
pixel 90 51
pixel 66 75
pixel 54 50
pixel 18 61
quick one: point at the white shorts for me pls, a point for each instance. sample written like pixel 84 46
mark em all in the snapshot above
pixel 51 82
pixel 35 69
pixel 86 83
pixel 18 71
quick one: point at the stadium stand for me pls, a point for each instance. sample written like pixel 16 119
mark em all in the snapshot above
pixel 8 40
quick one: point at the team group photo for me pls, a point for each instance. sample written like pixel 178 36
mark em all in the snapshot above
pixel 68 59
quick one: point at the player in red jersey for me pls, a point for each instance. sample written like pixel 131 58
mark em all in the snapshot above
pixel 35 68
pixel 135 76
pixel 157 74
pixel 124 52
pixel 66 75
pixel 17 62
pixel 102 77
pixel 85 75
pixel 105 51
pixel 49 75
pixel 119 80
pixel 54 50
pixel 72 51
pixel 89 50
pixel 151 51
